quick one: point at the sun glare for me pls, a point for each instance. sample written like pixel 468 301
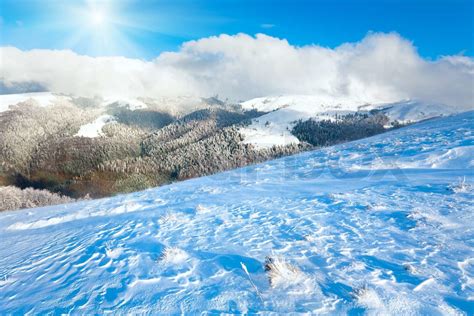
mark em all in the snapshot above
pixel 97 17
pixel 100 28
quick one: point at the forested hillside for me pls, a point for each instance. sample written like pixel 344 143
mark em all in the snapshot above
pixel 77 149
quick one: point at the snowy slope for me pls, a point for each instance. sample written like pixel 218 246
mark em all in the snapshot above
pixel 413 111
pixel 275 127
pixel 94 129
pixel 302 103
pixel 131 104
pixel 42 98
pixel 377 226
pixel 48 98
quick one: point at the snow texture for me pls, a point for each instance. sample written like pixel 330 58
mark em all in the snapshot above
pixel 389 237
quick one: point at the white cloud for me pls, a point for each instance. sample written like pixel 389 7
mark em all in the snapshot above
pixel 381 67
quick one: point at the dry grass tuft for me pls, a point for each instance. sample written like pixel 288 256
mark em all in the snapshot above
pixel 173 255
pixel 460 187
pixel 282 273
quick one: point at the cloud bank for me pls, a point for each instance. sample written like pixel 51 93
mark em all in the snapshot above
pixel 379 68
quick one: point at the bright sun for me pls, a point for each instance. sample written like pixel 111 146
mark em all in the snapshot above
pixel 100 28
pixel 97 17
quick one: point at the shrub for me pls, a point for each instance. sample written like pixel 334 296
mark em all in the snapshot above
pixel 12 198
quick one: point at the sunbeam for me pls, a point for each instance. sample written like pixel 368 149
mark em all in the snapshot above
pixel 98 29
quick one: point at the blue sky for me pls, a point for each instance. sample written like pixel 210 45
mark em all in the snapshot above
pixel 143 29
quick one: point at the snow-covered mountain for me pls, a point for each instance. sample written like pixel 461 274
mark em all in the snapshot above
pixel 41 98
pixel 172 104
pixel 275 127
pixel 382 225
pixel 94 128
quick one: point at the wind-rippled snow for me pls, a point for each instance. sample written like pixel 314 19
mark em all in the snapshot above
pixel 371 226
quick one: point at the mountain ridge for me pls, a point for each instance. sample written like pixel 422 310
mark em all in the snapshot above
pixel 94 147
